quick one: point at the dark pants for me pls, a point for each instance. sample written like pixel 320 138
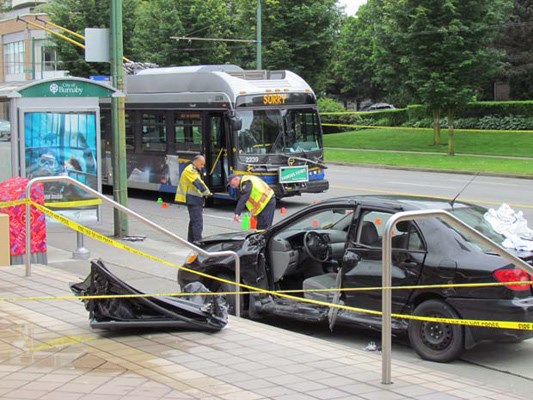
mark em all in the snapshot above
pixel 265 217
pixel 196 222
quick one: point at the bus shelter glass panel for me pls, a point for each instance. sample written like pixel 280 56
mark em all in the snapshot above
pixel 62 143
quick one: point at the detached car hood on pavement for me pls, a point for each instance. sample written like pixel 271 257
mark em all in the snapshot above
pixel 191 312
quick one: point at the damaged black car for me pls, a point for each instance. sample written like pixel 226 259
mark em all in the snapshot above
pixel 337 244
pixel 192 312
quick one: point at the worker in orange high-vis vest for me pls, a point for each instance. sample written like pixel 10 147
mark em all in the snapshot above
pixel 256 196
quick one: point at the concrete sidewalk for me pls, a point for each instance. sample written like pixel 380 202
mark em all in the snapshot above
pixel 48 351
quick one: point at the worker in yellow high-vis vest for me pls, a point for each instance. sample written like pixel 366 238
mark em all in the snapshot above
pixel 192 191
pixel 256 196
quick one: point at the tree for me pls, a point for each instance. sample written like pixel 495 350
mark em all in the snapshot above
pixel 444 50
pixel 355 56
pixel 159 20
pixel 517 41
pixel 76 15
pixel 296 35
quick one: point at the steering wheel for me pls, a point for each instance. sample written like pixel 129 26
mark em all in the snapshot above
pixel 316 246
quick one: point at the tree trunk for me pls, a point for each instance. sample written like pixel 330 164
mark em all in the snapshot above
pixel 451 135
pixel 436 127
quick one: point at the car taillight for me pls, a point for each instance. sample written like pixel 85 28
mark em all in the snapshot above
pixel 513 275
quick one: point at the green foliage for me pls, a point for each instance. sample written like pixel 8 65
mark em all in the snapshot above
pixel 439 50
pixel 327 104
pixel 76 15
pixel 355 56
pixel 296 35
pixel 159 20
pixel 516 42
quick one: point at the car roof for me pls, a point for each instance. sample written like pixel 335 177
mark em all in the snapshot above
pixel 406 203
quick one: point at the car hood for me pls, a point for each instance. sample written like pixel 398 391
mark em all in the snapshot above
pixel 193 312
pixel 226 237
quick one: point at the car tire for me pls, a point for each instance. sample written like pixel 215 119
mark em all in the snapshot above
pixel 223 287
pixel 436 341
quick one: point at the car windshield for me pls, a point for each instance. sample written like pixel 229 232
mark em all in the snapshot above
pixel 336 218
pixel 285 131
pixel 474 216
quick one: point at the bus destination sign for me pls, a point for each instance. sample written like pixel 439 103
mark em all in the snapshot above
pixel 275 99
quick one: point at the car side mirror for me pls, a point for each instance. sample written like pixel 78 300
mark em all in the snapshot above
pixel 350 260
pixel 236 124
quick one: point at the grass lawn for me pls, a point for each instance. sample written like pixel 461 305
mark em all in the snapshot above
pixel 359 146
pixel 489 142
pixel 436 162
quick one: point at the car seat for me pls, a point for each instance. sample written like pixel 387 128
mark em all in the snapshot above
pixel 369 234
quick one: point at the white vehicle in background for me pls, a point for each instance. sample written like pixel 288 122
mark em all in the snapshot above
pixel 5 130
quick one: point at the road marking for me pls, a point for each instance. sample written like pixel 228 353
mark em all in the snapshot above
pixel 423 185
pixel 355 189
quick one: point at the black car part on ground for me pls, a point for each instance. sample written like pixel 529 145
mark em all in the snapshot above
pixel 194 312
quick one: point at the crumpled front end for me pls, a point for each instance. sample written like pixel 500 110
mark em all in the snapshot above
pixel 194 312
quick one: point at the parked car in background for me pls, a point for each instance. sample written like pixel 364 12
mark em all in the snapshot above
pixel 5 130
pixel 338 244
pixel 378 107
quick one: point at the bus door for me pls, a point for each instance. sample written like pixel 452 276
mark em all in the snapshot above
pixel 216 153
pixel 187 131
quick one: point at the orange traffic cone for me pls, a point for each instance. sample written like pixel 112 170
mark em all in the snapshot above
pixel 164 205
pixel 283 210
pixel 253 223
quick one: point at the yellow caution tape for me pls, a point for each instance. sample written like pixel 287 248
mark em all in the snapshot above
pixel 97 236
pixel 74 204
pixel 63 204
pixel 13 203
pixel 399 128
pixel 62 341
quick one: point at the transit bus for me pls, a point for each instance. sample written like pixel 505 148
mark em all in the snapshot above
pixel 263 123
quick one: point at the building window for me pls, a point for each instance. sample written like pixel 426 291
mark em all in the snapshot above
pixel 14 57
pixel 49 57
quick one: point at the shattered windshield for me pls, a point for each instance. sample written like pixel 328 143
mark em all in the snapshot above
pixel 279 131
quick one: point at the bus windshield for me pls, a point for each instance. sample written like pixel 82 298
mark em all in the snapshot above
pixel 284 131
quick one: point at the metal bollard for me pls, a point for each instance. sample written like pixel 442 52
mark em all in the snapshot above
pixel 81 253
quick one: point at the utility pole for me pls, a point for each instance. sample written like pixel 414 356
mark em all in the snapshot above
pixel 259 56
pixel 120 182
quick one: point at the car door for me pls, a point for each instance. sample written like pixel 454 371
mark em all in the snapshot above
pixel 408 255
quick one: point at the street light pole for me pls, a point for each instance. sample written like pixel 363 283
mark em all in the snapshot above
pixel 120 183
pixel 259 56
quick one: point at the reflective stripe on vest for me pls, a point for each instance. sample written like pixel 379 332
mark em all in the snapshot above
pixel 260 195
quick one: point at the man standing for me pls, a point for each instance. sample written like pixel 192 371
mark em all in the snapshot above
pixel 256 196
pixel 192 191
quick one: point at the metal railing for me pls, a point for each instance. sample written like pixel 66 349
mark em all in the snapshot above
pixel 386 331
pixel 134 214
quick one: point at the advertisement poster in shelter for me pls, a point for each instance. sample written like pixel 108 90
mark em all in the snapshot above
pixel 62 144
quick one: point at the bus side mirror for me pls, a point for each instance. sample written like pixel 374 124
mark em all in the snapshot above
pixel 236 124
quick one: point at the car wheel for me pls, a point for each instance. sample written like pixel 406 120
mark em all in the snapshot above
pixel 436 341
pixel 223 287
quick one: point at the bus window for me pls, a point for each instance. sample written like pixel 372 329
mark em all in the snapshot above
pixel 260 129
pixel 130 135
pixel 187 131
pixel 154 133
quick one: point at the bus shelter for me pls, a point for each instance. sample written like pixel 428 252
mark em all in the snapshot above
pixel 53 129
